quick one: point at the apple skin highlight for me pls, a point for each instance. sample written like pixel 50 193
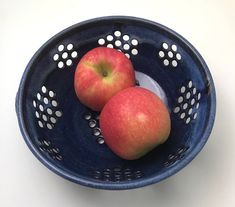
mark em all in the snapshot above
pixel 134 122
pixel 101 73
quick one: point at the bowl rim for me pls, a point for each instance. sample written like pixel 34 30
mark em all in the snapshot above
pixel 112 185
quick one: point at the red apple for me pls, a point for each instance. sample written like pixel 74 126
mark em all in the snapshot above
pixel 100 74
pixel 133 122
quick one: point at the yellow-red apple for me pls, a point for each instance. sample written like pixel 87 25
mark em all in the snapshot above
pixel 133 122
pixel 100 74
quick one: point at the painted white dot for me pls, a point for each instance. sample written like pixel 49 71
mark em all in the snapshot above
pixel 126 37
pixel 190 84
pixel 44 89
pixel 188 95
pixel 69 62
pixel 180 99
pixel 58 113
pixel 87 116
pixel 64 55
pixel 165 45
pixel 198 96
pixel 70 46
pixel 176 109
pixel 110 46
pixel 174 48
pixel 45 100
pixel 134 51
pixel 183 89
pixel 134 42
pixel 49 126
pixel 96 131
pixel 118 43
pixel 41 107
pixel 38 96
pixel 117 33
pixel 61 48
pixel 54 103
pixel 166 62
pixel 53 120
pixel 185 106
pixel 188 120
pixel 161 54
pixel 178 56
pixel 56 57
pixel 56 150
pixel 109 37
pixel 195 116
pixel 34 104
pixel 37 114
pixel 60 64
pixel 58 157
pixel 44 117
pixel 170 54
pixel 126 47
pixel 49 111
pixel 40 124
pixel 182 115
pixel 128 56
pixel 74 54
pixel 174 63
pixel 51 94
pixel 197 106
pixel 190 111
pixel 92 123
pixel 100 140
pixel 192 101
pixel 101 41
pixel 194 91
pixel 47 143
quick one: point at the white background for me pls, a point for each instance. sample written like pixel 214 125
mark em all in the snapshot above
pixel 209 180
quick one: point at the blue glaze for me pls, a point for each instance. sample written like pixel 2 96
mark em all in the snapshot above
pixel 72 135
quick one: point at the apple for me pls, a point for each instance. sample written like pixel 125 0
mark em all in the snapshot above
pixel 134 122
pixel 100 74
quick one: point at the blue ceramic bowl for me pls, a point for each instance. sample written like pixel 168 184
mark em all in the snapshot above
pixel 65 136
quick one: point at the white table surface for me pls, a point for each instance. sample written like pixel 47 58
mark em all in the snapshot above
pixel 209 180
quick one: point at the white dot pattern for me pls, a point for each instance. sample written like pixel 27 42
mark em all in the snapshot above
pixel 47 147
pixel 187 102
pixel 121 41
pixel 93 123
pixel 117 174
pixel 65 55
pixel 46 108
pixel 169 55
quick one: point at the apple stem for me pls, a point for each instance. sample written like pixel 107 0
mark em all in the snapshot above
pixel 104 73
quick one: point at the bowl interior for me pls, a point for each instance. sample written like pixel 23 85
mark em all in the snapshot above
pixel 66 133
